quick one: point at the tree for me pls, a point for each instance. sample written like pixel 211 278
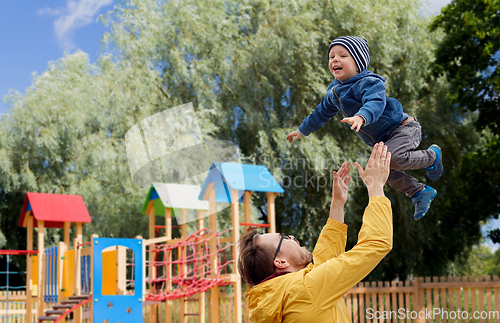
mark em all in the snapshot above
pixel 469 56
pixel 2 240
pixel 65 135
pixel 479 262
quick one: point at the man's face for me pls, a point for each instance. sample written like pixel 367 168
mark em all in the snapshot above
pixel 290 249
pixel 341 63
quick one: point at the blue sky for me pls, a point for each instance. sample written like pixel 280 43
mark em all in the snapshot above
pixel 33 33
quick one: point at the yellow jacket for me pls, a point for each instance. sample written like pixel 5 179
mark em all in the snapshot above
pixel 315 293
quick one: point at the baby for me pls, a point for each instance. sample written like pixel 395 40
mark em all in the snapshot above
pixel 360 95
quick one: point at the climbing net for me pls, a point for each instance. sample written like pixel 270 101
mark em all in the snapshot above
pixel 7 304
pixel 190 266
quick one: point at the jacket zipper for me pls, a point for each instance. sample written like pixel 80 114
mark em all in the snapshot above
pixel 343 112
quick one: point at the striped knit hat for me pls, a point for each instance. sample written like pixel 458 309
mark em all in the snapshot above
pixel 357 47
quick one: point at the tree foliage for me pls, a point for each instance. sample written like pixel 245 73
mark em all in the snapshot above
pixel 65 135
pixel 469 56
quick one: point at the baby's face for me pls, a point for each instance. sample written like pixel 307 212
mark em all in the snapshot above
pixel 341 63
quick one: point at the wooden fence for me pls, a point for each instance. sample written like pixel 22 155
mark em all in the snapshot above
pixel 437 299
pixel 225 310
pixel 15 310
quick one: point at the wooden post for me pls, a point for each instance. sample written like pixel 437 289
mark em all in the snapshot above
pixel 121 270
pixel 201 296
pixel 61 249
pixel 271 218
pixel 183 267
pixel 92 271
pixel 67 227
pixel 168 223
pixel 246 213
pixel 495 292
pixel 460 297
pixel 77 269
pixel 480 293
pixel 184 223
pixel 214 307
pixel 152 223
pixel 77 261
pixel 418 299
pixel 29 271
pixel 199 221
pixel 152 268
pixel 41 258
pixel 246 204
pixel 79 234
pixel 77 275
pixel 212 220
pixel 168 234
pixel 235 212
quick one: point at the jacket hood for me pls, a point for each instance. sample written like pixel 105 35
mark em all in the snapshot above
pixel 265 301
pixel 359 76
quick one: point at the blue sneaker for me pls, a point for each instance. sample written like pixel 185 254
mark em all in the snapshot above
pixel 436 170
pixel 422 201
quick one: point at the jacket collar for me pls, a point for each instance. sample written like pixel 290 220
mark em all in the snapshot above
pixel 276 274
pixel 358 77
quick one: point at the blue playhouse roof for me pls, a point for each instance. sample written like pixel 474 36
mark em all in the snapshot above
pixel 241 177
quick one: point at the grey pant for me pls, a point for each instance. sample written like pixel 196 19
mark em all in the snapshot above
pixel 401 143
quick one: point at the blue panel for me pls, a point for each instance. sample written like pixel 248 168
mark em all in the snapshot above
pixel 222 192
pixel 28 208
pixel 120 303
pixel 154 195
pixel 213 176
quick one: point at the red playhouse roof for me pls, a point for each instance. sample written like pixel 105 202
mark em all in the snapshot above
pixel 54 209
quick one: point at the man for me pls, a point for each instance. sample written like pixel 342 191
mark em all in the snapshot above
pixel 287 287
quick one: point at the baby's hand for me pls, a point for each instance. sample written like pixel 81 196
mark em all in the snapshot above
pixel 356 122
pixel 293 134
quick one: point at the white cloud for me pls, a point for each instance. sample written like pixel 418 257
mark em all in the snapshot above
pixel 77 14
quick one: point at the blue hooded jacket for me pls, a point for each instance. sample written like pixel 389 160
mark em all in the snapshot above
pixel 364 95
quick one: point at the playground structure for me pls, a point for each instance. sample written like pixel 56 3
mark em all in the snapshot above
pixel 88 283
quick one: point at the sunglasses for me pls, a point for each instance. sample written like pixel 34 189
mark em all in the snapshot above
pixel 283 236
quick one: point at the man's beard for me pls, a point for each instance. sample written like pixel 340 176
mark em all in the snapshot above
pixel 304 258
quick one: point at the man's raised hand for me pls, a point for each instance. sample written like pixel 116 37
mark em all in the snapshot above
pixel 377 170
pixel 340 182
pixel 339 192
